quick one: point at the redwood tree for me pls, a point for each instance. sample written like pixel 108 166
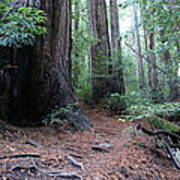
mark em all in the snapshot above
pixel 46 70
pixel 140 64
pixel 117 72
pixel 100 49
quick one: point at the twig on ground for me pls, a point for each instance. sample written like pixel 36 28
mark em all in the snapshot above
pixel 33 143
pixel 20 156
pixel 65 175
pixel 74 162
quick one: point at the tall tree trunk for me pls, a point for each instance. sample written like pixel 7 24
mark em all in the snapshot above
pixel 100 49
pixel 76 62
pixel 140 66
pixel 149 42
pixel 117 74
pixel 48 83
pixel 167 61
pixel 152 71
pixel 170 64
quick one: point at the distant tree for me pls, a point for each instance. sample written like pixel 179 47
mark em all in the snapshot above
pixel 166 32
pixel 100 52
pixel 117 84
pixel 149 39
pixel 140 64
pixel 152 70
pixel 76 53
pixel 160 27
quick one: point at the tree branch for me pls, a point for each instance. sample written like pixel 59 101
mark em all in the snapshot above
pixel 134 51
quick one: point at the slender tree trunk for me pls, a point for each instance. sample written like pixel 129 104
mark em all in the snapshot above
pixel 149 42
pixel 145 31
pixel 117 74
pixel 140 66
pixel 76 62
pixel 100 49
pixel 152 71
pixel 167 61
pixel 171 65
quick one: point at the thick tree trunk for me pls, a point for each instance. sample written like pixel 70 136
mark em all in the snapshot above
pixel 51 62
pixel 117 74
pixel 100 49
pixel 52 66
pixel 47 82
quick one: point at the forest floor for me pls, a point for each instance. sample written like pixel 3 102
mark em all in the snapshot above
pixel 112 150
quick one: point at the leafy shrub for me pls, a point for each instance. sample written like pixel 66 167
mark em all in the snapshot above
pixel 3 8
pixel 165 111
pixel 58 114
pixel 115 102
pixel 21 27
pixel 85 92
pixel 118 103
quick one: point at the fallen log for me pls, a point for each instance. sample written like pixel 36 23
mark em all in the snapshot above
pixel 167 139
pixel 163 124
pixel 158 132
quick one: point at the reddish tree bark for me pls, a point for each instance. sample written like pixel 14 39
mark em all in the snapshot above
pixel 46 78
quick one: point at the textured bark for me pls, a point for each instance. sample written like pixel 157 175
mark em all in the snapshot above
pixel 76 63
pixel 47 79
pixel 152 71
pixel 100 49
pixel 52 66
pixel 153 80
pixel 117 74
pixel 52 61
pixel 171 67
pixel 140 66
pixel 168 63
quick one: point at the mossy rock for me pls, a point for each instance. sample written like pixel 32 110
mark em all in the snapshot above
pixel 163 124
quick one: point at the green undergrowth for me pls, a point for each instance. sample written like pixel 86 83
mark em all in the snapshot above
pixel 118 103
pixel 165 111
pixel 163 124
pixel 159 115
pixel 58 114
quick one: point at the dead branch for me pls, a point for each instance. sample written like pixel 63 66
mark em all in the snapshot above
pixel 158 132
pixel 172 149
pixel 172 153
pixel 65 175
pixel 20 156
pixel 134 51
pixel 34 144
pixel 75 163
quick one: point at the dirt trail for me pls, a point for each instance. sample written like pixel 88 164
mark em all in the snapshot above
pixel 113 150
